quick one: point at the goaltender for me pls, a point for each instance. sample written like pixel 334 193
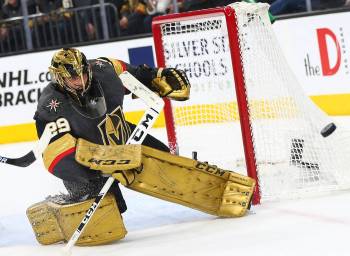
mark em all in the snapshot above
pixel 83 106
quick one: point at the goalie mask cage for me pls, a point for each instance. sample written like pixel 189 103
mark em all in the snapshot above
pixel 246 107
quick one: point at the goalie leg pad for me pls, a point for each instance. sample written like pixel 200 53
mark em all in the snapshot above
pixel 172 178
pixel 53 222
pixel 192 183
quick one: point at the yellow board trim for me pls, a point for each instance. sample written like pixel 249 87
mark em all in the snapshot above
pixel 334 105
pixel 135 116
pixel 27 132
pixel 18 133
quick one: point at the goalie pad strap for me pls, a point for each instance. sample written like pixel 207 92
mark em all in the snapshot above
pixel 54 222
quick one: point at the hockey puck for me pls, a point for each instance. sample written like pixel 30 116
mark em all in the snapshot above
pixel 194 155
pixel 328 130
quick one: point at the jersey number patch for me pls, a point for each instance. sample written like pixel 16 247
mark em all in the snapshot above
pixel 61 125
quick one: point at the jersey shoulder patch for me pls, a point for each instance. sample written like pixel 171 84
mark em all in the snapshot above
pixel 52 103
pixel 99 63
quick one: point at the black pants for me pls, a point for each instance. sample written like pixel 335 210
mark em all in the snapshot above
pixel 83 191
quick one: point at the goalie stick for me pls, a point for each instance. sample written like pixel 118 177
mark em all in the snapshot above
pixel 155 105
pixel 34 154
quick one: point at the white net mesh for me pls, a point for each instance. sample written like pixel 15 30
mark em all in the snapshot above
pixel 292 157
pixel 200 48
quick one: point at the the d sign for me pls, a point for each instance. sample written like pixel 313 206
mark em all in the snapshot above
pixel 322 34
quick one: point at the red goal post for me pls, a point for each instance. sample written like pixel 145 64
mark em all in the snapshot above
pixel 246 106
pixel 228 12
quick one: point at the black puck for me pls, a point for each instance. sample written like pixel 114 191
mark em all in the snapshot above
pixel 194 155
pixel 328 130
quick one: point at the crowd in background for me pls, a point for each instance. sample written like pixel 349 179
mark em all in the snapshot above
pixel 62 22
pixel 279 7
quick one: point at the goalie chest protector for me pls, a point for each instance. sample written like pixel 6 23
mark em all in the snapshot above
pixel 111 125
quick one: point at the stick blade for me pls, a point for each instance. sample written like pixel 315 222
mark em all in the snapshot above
pixel 23 161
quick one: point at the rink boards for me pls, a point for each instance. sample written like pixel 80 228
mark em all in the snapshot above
pixel 317 54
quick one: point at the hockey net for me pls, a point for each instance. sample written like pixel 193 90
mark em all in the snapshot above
pixel 247 111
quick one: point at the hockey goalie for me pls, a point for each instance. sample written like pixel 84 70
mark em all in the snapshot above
pixel 83 108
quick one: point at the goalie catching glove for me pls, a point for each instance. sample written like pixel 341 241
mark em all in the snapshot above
pixel 173 178
pixel 172 83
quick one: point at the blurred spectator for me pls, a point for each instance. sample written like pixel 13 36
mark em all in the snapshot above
pixel 155 8
pixel 223 2
pixel 326 4
pixel 191 5
pixel 267 1
pixel 113 17
pixel 291 6
pixel 12 8
pixel 48 6
pixel 3 30
pixel 279 7
pixel 1 4
pixel 117 3
pixel 133 13
pixel 86 19
pixel 49 28
pixel 12 31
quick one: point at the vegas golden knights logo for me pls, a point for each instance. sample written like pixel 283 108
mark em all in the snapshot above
pixel 114 129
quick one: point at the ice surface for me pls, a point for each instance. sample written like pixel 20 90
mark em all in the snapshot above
pixel 312 226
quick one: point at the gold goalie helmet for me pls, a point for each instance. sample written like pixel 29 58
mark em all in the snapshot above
pixel 70 63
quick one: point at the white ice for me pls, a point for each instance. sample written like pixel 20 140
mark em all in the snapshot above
pixel 311 226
